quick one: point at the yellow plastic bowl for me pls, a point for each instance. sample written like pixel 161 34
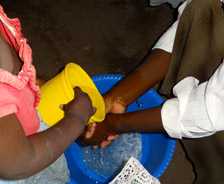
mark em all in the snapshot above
pixel 78 77
pixel 59 91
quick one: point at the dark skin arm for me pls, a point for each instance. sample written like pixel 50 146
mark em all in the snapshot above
pixel 152 71
pixel 23 156
pixel 140 121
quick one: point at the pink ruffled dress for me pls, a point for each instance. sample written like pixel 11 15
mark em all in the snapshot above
pixel 19 94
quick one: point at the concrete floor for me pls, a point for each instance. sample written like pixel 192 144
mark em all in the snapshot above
pixel 102 36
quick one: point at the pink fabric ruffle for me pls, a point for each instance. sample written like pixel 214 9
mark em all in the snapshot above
pixel 11 30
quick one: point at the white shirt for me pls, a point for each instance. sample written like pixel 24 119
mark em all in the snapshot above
pixel 197 109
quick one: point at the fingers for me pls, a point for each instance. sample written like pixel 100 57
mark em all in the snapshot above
pixel 90 131
pixel 109 140
pixel 112 137
pixel 104 144
pixel 94 110
pixel 78 91
pixel 95 147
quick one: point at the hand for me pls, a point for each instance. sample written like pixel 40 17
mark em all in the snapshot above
pixel 100 133
pixel 104 133
pixel 80 107
pixel 114 105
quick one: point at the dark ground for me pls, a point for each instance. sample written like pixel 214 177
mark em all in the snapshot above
pixel 102 36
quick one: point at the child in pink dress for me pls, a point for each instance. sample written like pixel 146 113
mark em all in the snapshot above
pixel 24 151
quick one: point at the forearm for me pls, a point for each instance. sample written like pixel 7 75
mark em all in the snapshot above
pixel 42 149
pixel 140 121
pixel 50 144
pixel 144 77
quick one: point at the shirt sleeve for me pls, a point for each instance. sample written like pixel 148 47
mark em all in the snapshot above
pixel 166 41
pixel 8 101
pixel 198 109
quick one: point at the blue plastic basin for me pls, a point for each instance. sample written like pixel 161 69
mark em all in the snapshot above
pixel 157 149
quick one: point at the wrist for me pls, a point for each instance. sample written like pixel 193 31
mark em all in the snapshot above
pixel 114 104
pixel 73 126
pixel 114 123
pixel 76 120
pixel 82 118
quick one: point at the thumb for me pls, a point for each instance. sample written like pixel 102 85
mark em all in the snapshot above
pixel 77 91
pixel 90 131
pixel 94 110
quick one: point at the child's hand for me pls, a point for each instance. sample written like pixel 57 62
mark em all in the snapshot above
pixel 81 107
pixel 103 133
pixel 114 105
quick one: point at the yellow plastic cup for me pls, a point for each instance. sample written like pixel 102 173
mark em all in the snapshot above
pixel 59 91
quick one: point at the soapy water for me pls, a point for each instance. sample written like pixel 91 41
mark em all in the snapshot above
pixel 109 161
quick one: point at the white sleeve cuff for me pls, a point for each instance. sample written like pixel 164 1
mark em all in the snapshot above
pixel 170 115
pixel 187 116
pixel 215 98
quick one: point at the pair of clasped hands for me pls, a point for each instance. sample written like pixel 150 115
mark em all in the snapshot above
pixel 103 133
